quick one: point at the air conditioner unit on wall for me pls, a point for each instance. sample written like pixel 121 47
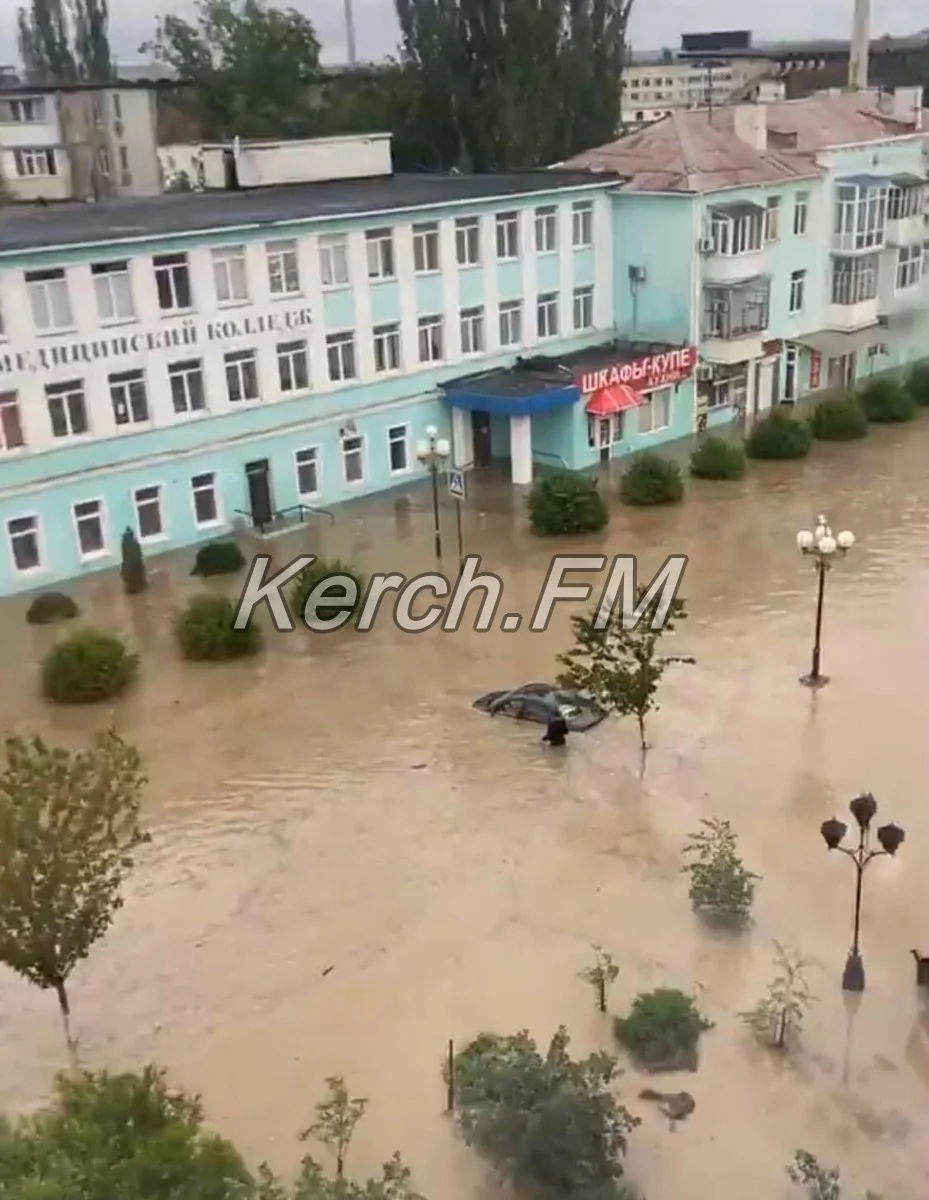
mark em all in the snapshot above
pixel 704 373
pixel 707 245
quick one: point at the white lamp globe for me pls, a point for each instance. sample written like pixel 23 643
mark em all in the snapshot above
pixel 422 449
pixel 827 544
pixel 804 540
pixel 846 539
pixel 431 432
pixel 442 448
pixel 821 531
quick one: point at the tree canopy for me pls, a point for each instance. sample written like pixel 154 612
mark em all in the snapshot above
pixel 60 44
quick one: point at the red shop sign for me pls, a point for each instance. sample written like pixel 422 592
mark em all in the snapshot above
pixel 653 371
pixel 816 370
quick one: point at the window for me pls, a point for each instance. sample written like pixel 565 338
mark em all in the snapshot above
pixel 801 212
pixel 511 322
pixel 67 408
pixel 113 289
pixel 468 241
pixel 229 274
pixel 49 299
pixel 583 308
pixel 148 512
pixel 25 110
pixel 507 235
pixel 124 158
pixel 603 432
pixel 472 330
pixel 854 280
pixel 117 108
pixel 172 279
pixel 655 411
pixel 582 224
pixel 397 448
pixel 206 506
pixel 104 164
pixel 307 463
pixel 340 356
pixel 11 425
pixel 127 394
pixel 333 260
pixel 88 524
pixel 861 214
pixel 241 375
pixel 23 536
pixel 909 267
pixel 546 315
pixel 729 392
pixel 187 391
pixel 797 288
pixel 293 366
pixel 379 244
pixel 772 219
pixel 741 234
pixel 283 268
pixel 353 468
pixel 735 312
pixel 546 230
pixel 386 348
pixel 35 164
pixel 430 339
pixel 904 202
pixel 425 248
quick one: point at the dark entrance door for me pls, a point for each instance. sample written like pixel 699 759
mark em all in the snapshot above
pixel 480 425
pixel 258 475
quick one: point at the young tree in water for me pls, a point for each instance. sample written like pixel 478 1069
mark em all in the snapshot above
pixel 335 1122
pixel 69 829
pixel 819 1182
pixel 600 975
pixel 778 1017
pixel 618 661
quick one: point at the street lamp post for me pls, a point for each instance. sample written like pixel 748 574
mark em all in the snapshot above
pixel 864 809
pixel 432 453
pixel 823 547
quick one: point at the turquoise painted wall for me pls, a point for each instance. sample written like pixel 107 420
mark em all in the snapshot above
pixel 683 406
pixel 657 233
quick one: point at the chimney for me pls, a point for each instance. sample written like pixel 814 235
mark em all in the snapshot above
pixel 908 106
pixel 860 43
pixel 750 124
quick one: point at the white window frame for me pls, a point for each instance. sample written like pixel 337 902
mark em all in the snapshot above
pixel 471 329
pixel 398 435
pixel 27 110
pixel 861 217
pixel 796 292
pixel 511 331
pixel 507 236
pixel 801 213
pixel 184 369
pixel 647 409
pixel 283 261
pixel 772 219
pixel 546 229
pixel 68 391
pixel 112 282
pixel 169 269
pixel 388 352
pixel 729 392
pixel 230 275
pixel 238 363
pixel 39 544
pixel 146 539
pixel 198 488
pixel 430 335
pixel 35 162
pixel 104 551
pixel 613 425
pixel 333 261
pixel 909 267
pixel 360 451
pixel 50 300
pixel 582 224
pixel 10 400
pixel 293 358
pixel 546 316
pixel 314 457
pixel 854 279
pixel 340 348
pixel 379 254
pixel 426 248
pixel 582 308
pixel 123 389
pixel 742 234
pixel 468 241
pixel 904 202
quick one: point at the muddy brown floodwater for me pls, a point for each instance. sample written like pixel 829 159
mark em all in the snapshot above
pixel 339 805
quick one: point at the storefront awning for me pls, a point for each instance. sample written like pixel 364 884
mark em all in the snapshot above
pixel 832 343
pixel 617 398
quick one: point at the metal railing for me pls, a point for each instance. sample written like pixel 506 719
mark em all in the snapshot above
pixel 302 511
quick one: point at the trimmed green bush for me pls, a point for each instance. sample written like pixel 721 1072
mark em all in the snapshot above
pixel 886 402
pixel 662 1030
pixel 132 568
pixel 49 607
pixel 839 419
pixel 917 384
pixel 87 666
pixel 650 479
pixel 779 437
pixel 218 558
pixel 346 601
pixel 205 633
pixel 717 458
pixel 566 503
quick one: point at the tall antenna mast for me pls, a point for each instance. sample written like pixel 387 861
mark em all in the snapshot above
pixel 350 33
pixel 860 44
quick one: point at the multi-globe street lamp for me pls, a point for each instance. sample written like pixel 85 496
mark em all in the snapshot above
pixel 823 547
pixel 864 809
pixel 433 452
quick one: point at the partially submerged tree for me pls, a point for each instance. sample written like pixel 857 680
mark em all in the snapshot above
pixel 722 890
pixel 778 1017
pixel 69 829
pixel 820 1183
pixel 132 567
pixel 600 975
pixel 336 1118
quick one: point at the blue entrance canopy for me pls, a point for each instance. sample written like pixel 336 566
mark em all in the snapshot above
pixel 542 401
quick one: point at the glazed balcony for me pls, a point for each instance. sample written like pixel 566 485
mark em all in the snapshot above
pixel 735 321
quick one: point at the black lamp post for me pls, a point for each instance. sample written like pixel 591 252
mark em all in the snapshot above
pixel 823 547
pixel 432 453
pixel 864 809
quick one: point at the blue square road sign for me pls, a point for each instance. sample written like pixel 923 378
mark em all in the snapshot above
pixel 456 484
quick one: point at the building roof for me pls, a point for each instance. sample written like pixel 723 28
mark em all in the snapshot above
pixel 28 227
pixel 832 119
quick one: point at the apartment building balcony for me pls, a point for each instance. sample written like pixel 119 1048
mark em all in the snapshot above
pixel 735 321
pixel 905 222
pixel 853 294
pixel 734 251
pixel 846 318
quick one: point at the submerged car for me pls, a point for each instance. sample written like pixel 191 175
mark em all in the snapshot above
pixel 540 702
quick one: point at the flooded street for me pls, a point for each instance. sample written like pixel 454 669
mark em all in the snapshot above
pixel 338 804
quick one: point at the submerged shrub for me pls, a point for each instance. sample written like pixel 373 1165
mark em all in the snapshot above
pixel 917 384
pixel 779 437
pixel 205 633
pixel 662 1030
pixel 87 666
pixel 346 591
pixel 886 401
pixel 49 607
pixel 218 558
pixel 650 479
pixel 565 503
pixel 722 890
pixel 839 419
pixel 717 458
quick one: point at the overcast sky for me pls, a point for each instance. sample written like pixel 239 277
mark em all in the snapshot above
pixel 655 23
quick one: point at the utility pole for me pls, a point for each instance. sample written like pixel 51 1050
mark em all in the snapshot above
pixel 350 33
pixel 859 46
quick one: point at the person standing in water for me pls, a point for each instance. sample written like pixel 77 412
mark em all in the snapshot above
pixel 556 731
